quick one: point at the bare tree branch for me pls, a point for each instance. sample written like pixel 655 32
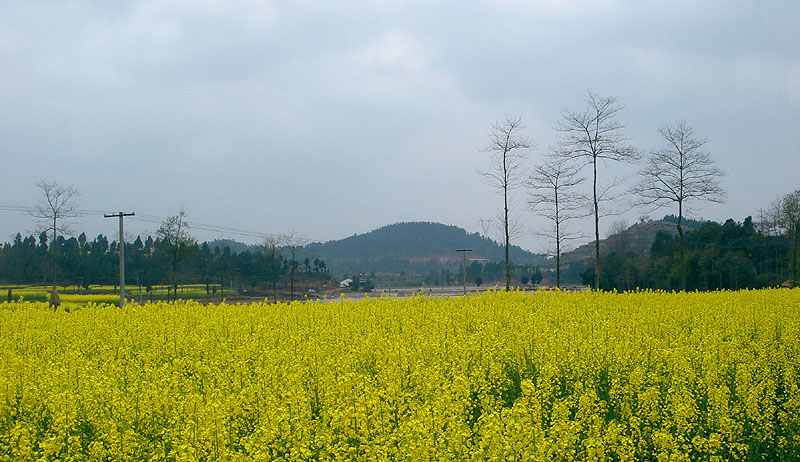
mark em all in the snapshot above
pixel 592 135
pixel 552 195
pixel 616 236
pixel 293 242
pixel 271 244
pixel 56 205
pixel 507 150
pixel 680 172
pixel 786 213
pixel 51 215
pixel 174 237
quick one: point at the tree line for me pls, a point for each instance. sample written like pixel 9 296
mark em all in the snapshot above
pixel 732 255
pixel 170 260
pixel 484 272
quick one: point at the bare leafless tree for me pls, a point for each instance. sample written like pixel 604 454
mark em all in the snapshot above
pixel 271 244
pixel 617 237
pixel 787 217
pixel 768 220
pixel 591 136
pixel 52 214
pixel 175 238
pixel 553 195
pixel 508 149
pixel 293 242
pixel 679 173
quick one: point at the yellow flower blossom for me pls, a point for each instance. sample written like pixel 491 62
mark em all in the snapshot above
pixel 537 376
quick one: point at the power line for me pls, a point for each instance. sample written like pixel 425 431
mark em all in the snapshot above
pixel 16 208
pixel 208 227
pixel 155 219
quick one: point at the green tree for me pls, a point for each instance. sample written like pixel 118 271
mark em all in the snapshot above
pixel 474 270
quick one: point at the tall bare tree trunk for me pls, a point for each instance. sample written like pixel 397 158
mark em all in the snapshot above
pixel 53 246
pixel 680 171
pixel 591 135
pixel 558 265
pixel 291 282
pixel 596 230
pixel 55 300
pixel 505 222
pixel 682 246
pixel 558 248
pixel 552 196
pixel 56 205
pixel 174 275
pixel 794 254
pixel 507 150
pixel 274 278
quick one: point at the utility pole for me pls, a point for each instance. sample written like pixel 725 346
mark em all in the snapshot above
pixel 121 248
pixel 464 253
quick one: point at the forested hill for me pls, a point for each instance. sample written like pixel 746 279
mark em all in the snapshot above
pixel 413 246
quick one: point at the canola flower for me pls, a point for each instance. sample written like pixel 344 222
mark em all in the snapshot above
pixel 72 300
pixel 105 293
pixel 499 376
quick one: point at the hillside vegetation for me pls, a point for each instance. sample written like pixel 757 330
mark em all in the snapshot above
pixel 412 246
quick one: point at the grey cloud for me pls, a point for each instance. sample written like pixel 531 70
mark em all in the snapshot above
pixel 256 114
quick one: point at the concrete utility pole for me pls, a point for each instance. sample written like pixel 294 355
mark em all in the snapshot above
pixel 464 252
pixel 121 247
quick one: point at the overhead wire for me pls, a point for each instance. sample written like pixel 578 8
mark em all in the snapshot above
pixel 16 208
pixel 155 219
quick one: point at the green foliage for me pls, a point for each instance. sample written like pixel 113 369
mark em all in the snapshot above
pixel 719 256
pixel 148 262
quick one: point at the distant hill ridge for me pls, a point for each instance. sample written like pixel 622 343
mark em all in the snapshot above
pixel 421 246
pixel 410 246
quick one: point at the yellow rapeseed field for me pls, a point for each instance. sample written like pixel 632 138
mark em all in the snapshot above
pixel 499 376
pixel 75 297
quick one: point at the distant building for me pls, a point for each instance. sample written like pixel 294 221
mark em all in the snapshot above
pixel 346 283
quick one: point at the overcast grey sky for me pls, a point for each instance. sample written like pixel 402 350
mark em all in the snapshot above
pixel 334 118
